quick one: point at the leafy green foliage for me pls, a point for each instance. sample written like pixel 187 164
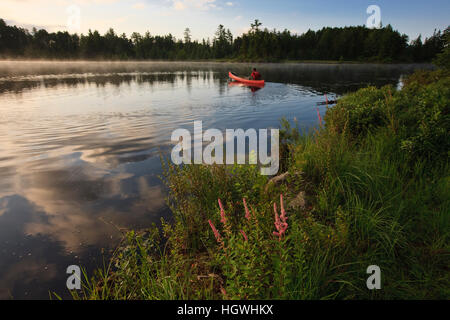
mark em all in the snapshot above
pixel 359 112
pixel 419 114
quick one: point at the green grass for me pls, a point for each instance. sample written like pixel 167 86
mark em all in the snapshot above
pixel 375 181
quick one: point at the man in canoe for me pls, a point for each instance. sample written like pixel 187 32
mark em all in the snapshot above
pixel 255 75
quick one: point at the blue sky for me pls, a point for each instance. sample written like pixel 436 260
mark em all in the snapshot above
pixel 203 16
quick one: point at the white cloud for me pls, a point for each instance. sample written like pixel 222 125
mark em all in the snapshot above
pixel 61 2
pixel 230 4
pixel 179 5
pixel 139 5
pixel 193 4
pixel 96 1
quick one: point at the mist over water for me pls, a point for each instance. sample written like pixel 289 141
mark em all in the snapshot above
pixel 80 142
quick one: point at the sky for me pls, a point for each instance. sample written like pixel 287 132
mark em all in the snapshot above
pixel 161 17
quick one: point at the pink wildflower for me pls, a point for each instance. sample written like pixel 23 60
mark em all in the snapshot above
pixel 216 233
pixel 224 292
pixel 320 117
pixel 247 212
pixel 244 235
pixel 280 221
pixel 223 219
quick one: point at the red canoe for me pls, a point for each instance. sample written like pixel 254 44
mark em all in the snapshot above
pixel 253 83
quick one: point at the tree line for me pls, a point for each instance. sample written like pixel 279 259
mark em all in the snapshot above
pixel 356 43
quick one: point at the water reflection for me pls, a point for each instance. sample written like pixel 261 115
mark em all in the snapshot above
pixel 337 78
pixel 80 143
pixel 250 88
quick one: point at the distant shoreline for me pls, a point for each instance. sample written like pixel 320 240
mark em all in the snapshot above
pixel 326 62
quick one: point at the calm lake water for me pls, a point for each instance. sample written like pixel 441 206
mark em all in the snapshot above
pixel 79 147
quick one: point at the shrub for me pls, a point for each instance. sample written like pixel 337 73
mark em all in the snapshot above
pixel 359 112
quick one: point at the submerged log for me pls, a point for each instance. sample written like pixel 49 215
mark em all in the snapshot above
pixel 322 103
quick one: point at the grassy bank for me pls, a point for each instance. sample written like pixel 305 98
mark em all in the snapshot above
pixel 369 187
